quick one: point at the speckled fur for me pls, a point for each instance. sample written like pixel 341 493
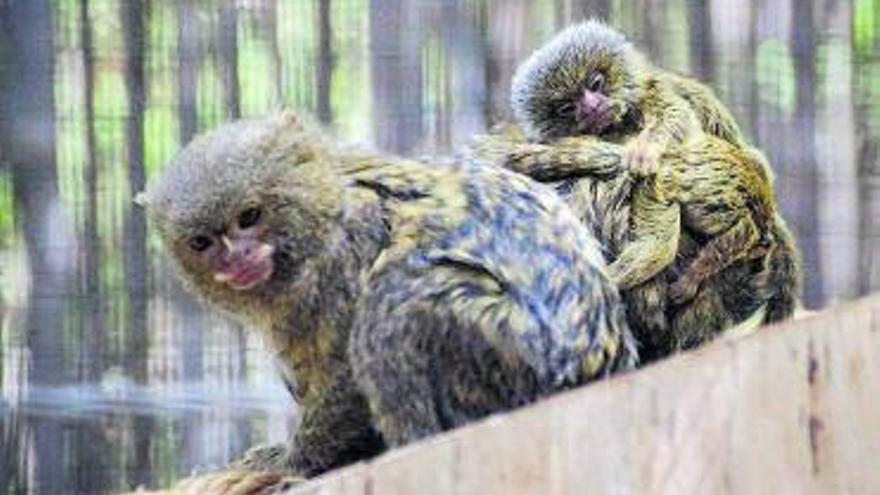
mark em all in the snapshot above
pixel 606 203
pixel 408 297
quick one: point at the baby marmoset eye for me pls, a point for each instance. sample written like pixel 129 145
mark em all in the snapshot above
pixel 596 82
pixel 249 217
pixel 565 108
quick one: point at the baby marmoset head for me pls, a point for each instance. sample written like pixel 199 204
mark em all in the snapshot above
pixel 241 208
pixel 585 80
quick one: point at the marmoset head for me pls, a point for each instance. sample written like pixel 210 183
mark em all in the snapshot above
pixel 583 81
pixel 241 208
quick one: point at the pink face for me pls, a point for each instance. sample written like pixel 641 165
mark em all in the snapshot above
pixel 239 257
pixel 594 111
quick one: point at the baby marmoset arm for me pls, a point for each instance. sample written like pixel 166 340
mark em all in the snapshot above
pixel 722 191
pixel 563 159
pixel 767 287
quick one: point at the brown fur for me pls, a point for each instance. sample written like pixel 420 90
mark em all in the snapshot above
pixel 405 298
pixel 605 202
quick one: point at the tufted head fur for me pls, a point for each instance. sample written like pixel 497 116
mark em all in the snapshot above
pixel 273 169
pixel 547 86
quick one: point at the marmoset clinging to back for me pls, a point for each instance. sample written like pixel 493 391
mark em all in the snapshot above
pixel 589 174
pixel 589 80
pixel 402 298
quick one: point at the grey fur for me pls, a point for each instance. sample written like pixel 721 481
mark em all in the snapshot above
pixel 408 297
pixel 557 69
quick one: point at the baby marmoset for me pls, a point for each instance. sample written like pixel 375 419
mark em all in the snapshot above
pixel 402 298
pixel 746 293
pixel 694 168
pixel 590 80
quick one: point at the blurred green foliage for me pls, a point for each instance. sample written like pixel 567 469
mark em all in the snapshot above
pixel 6 210
pixel 774 72
pixel 865 26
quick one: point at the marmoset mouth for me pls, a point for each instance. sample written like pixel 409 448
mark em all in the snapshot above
pixel 246 278
pixel 248 273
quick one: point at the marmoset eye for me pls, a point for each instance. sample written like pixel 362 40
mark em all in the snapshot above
pixel 200 243
pixel 565 109
pixel 597 82
pixel 249 217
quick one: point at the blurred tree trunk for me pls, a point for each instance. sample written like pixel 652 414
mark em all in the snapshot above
pixel 324 58
pixel 134 13
pixel 869 205
pixel 227 41
pixel 90 440
pixel 92 336
pixel 192 321
pixel 700 42
pixel 396 68
pixel 560 19
pixel 801 169
pixel 585 9
pixel 134 21
pixel 466 53
pixel 786 132
pixel 13 464
pixel 868 157
pixel 629 17
pixel 270 20
pixel 439 68
pixel 839 208
pixel 506 22
pixel 733 27
pixel 188 60
pixel 651 33
pixel 27 141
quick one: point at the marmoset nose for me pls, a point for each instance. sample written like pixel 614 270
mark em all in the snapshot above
pixel 240 248
pixel 590 101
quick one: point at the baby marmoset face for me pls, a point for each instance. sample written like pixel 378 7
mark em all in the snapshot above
pixel 240 210
pixel 583 81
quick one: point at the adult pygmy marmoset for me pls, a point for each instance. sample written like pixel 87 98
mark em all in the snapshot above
pixel 402 298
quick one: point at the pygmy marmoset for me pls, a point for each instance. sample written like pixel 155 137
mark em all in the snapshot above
pixel 589 80
pixel 402 298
